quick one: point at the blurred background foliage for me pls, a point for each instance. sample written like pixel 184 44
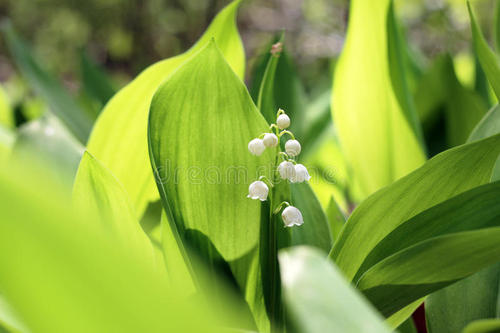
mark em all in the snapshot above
pixel 127 35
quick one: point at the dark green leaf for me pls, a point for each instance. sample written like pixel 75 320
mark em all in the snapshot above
pixel 444 176
pixel 488 59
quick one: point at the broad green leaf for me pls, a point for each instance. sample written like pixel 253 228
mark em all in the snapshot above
pixel 316 230
pixel 444 176
pixel 476 297
pixel 428 266
pixel 488 126
pixel 50 143
pixel 336 218
pixel 119 138
pixel 93 282
pixel 372 112
pixel 474 209
pixel 483 326
pixel 96 83
pixel 320 299
pixel 6 112
pixel 198 140
pixel 487 58
pixel 61 103
pixel 202 135
pixel 97 194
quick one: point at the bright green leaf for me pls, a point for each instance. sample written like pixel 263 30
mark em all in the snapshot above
pixel 489 125
pixel 119 138
pixel 336 218
pixel 375 120
pixel 97 194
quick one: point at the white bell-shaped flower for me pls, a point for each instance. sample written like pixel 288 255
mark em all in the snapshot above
pixel 256 147
pixel 292 147
pixel 283 121
pixel 301 174
pixel 258 190
pixel 286 170
pixel 292 216
pixel 270 140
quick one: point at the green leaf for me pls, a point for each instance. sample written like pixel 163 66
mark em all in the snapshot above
pixel 488 126
pixel 319 298
pixel 119 138
pixel 452 308
pixel 316 230
pixel 203 135
pixel 464 108
pixel 61 103
pixel 266 101
pixel 200 136
pixel 474 209
pixel 483 326
pixel 488 59
pixel 428 266
pixel 96 83
pixel 371 108
pixel 94 282
pixel 496 27
pixel 97 194
pixel 444 176
pixel 336 218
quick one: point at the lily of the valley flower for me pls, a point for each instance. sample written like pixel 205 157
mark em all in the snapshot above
pixel 258 190
pixel 292 216
pixel 283 121
pixel 301 174
pixel 256 147
pixel 286 170
pixel 292 147
pixel 270 140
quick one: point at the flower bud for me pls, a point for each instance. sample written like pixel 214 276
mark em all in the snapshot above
pixel 258 190
pixel 256 147
pixel 292 147
pixel 292 216
pixel 270 140
pixel 301 174
pixel 283 121
pixel 286 170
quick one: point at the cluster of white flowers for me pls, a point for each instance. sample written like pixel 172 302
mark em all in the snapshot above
pixel 288 169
